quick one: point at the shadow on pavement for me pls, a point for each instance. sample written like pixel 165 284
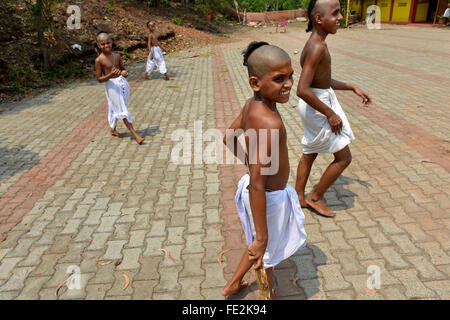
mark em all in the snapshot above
pixel 305 278
pixel 338 197
pixel 149 132
pixel 16 159
pixel 295 278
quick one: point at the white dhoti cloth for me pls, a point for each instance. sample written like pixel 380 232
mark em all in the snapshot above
pixel 285 219
pixel 158 60
pixel 318 137
pixel 117 93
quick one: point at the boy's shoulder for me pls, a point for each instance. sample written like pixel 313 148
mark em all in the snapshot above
pixel 315 46
pixel 100 57
pixel 259 116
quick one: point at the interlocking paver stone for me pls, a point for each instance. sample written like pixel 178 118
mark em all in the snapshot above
pixel 72 191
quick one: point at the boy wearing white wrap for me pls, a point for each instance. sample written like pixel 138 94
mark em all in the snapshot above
pixel 109 68
pixel 268 207
pixel 326 128
pixel 155 56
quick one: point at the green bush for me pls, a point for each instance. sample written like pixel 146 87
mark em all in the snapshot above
pixel 177 21
pixel 125 53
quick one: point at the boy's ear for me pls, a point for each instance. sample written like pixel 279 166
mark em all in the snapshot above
pixel 254 83
pixel 318 18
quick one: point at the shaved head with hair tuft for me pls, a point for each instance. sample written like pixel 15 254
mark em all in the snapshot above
pixel 260 60
pixel 317 6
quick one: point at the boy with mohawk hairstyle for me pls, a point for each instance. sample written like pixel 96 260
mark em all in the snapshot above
pixel 326 128
pixel 268 207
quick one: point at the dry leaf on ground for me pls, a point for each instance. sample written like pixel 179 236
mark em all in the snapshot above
pixel 369 290
pixel 219 256
pixel 60 285
pixel 103 263
pixel 167 254
pixel 127 281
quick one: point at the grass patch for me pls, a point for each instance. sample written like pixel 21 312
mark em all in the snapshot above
pixel 177 21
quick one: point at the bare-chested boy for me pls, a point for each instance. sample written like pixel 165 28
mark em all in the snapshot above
pixel 109 68
pixel 155 56
pixel 268 207
pixel 326 128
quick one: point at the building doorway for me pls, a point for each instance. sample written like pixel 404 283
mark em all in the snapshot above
pixel 431 10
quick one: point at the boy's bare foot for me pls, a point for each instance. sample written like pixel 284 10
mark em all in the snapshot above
pixel 319 206
pixel 168 78
pixel 232 288
pixel 115 133
pixel 140 140
pixel 301 199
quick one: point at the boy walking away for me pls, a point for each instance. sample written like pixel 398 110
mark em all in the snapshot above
pixel 268 207
pixel 155 56
pixel 109 68
pixel 326 128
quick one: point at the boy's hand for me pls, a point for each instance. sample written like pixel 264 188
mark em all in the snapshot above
pixel 366 98
pixel 335 123
pixel 256 252
pixel 115 72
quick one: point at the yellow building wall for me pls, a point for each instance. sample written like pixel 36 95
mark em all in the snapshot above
pixel 401 10
pixel 367 3
pixel 355 5
pixel 421 11
pixel 385 7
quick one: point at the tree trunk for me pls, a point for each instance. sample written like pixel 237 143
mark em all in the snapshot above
pixel 237 10
pixel 40 24
pixel 155 3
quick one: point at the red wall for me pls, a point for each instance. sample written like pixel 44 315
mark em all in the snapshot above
pixel 268 16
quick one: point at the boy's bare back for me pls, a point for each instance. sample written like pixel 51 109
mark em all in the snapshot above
pixel 256 115
pixel 316 51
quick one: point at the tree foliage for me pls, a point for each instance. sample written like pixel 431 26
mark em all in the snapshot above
pixel 272 5
pixel 40 12
pixel 249 5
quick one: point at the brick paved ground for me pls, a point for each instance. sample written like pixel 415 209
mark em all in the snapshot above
pixel 71 195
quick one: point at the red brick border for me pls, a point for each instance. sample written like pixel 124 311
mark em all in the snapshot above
pixel 227 109
pixel 417 73
pixel 21 196
pixel 393 46
pixel 418 139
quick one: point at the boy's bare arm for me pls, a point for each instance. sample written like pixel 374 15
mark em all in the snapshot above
pixel 231 139
pixel 338 85
pixel 149 44
pixel 306 77
pixel 124 72
pixel 99 72
pixel 304 87
pixel 257 197
pixel 257 191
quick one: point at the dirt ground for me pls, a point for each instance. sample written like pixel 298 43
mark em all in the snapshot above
pixel 20 72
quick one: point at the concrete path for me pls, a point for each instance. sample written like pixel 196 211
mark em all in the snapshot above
pixel 74 199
